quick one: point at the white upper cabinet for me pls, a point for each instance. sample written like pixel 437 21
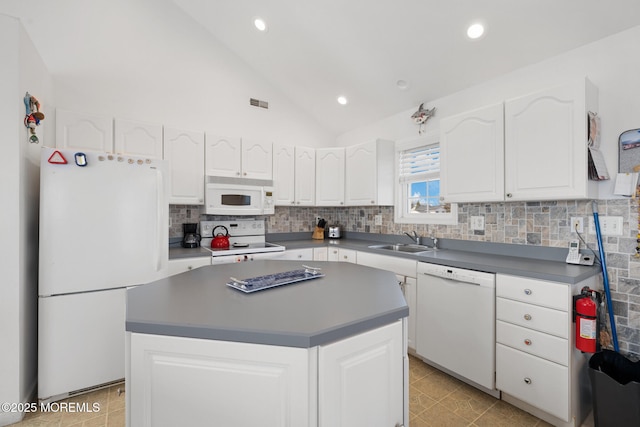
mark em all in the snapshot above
pixel 223 156
pixel 284 174
pixel 257 159
pixel 369 173
pixel 305 176
pixel 79 131
pixel 138 138
pixel 546 134
pixel 184 151
pixel 472 156
pixel 238 158
pixel 330 176
pixel 533 148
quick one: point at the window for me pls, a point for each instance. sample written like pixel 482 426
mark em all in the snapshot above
pixel 418 180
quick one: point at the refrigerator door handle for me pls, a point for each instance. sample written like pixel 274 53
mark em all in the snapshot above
pixel 160 219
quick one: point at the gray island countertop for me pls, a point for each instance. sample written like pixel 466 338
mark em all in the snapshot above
pixel 348 300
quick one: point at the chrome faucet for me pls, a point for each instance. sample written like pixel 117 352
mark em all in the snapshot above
pixel 414 237
pixel 419 240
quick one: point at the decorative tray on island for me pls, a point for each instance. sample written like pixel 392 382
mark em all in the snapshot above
pixel 267 281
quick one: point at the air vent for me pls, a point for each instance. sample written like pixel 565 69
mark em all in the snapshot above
pixel 258 103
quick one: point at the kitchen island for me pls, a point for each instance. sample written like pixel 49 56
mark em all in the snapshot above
pixel 324 352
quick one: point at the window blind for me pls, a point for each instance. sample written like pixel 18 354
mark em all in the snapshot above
pixel 419 163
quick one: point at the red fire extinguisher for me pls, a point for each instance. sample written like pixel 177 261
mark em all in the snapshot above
pixel 587 321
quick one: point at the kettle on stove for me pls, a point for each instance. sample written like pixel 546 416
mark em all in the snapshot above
pixel 191 237
pixel 220 241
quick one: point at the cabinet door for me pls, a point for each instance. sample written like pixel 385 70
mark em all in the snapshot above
pixel 79 131
pixel 347 255
pixel 360 380
pixel 138 138
pixel 472 156
pixel 214 380
pixel 257 159
pixel 546 144
pixel 284 174
pixel 184 150
pixel 320 254
pixel 361 180
pixel 305 176
pixel 223 156
pixel 330 176
pixel 410 293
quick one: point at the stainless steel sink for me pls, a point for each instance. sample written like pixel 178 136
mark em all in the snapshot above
pixel 401 247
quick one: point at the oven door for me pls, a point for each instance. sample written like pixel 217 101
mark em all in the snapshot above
pixel 231 199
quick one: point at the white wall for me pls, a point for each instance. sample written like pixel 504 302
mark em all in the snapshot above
pixel 21 70
pixel 156 65
pixel 612 64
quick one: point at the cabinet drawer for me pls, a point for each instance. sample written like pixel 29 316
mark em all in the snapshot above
pixel 538 382
pixel 539 292
pixel 541 319
pixel 533 342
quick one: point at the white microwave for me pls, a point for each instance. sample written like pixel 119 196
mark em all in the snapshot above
pixel 248 198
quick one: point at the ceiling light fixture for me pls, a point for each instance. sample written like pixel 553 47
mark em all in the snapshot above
pixel 475 31
pixel 342 100
pixel 260 24
pixel 402 84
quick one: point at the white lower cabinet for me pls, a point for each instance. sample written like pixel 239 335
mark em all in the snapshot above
pixel 181 265
pixel 405 270
pixel 191 382
pixel 320 254
pixel 537 366
pixel 359 381
pixel 343 255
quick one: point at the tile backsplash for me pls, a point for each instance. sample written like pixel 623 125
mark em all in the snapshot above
pixel 525 223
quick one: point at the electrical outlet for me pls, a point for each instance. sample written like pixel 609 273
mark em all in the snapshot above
pixel 378 219
pixel 477 223
pixel 577 224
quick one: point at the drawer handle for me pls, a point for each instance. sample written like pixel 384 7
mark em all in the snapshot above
pixel 527 380
pixel 528 291
pixel 527 317
pixel 527 341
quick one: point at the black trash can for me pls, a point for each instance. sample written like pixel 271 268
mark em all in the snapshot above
pixel 614 404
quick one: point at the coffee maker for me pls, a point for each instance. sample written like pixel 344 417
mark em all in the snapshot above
pixel 191 237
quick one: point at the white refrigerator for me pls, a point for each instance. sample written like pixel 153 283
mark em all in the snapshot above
pixel 103 227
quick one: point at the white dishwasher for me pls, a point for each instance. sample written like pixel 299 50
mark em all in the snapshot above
pixel 456 322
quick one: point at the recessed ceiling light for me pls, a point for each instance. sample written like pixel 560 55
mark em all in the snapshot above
pixel 475 31
pixel 260 24
pixel 342 100
pixel 402 84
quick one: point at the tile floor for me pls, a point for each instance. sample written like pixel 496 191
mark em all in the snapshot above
pixel 111 413
pixel 435 399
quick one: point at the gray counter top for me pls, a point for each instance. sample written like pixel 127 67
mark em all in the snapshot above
pixel 349 300
pixel 536 262
pixel 180 252
pixel 519 260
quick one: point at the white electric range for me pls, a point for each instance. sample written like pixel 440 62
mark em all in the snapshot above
pixel 246 241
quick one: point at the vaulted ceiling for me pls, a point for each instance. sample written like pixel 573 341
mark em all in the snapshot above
pixel 315 51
